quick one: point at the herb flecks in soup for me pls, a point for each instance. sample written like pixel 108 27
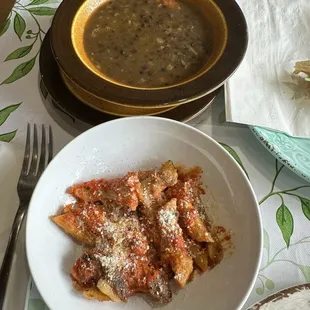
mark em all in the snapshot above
pixel 146 43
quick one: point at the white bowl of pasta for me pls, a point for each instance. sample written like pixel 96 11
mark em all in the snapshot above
pixel 143 213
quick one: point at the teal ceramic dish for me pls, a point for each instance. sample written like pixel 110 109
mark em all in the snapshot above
pixel 292 152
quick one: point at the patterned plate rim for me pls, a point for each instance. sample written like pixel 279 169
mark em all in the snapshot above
pixel 280 295
pixel 275 151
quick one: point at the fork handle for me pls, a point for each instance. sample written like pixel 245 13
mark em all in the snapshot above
pixel 9 253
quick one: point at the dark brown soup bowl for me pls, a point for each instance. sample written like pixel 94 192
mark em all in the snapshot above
pixel 229 38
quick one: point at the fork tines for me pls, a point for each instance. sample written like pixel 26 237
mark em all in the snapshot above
pixel 37 155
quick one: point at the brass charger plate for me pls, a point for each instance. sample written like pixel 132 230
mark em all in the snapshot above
pixel 105 106
pixel 206 83
pixel 67 103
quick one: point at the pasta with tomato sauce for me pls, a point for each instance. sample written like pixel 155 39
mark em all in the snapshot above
pixel 140 232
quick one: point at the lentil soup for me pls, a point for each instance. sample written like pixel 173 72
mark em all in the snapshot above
pixel 147 43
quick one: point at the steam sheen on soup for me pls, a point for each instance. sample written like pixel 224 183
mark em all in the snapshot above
pixel 146 43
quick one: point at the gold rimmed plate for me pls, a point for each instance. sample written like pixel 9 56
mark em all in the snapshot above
pixel 229 26
pixel 70 105
pixel 105 106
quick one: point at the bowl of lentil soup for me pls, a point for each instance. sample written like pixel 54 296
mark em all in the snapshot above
pixel 148 43
pixel 149 53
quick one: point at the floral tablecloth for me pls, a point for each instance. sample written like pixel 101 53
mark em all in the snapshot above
pixel 283 197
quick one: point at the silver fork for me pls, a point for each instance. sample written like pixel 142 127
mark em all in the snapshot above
pixel 38 157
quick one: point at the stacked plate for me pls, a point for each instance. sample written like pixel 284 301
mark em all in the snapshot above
pixel 77 85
